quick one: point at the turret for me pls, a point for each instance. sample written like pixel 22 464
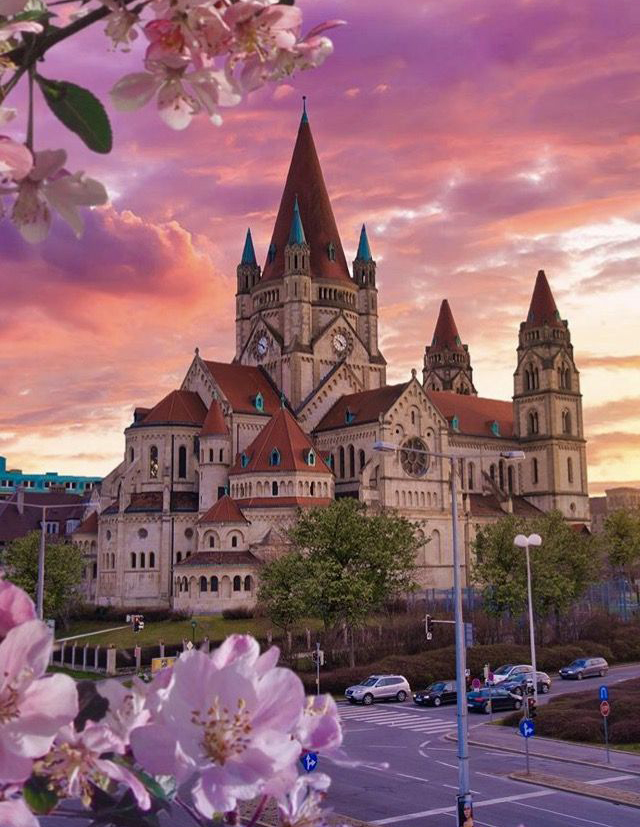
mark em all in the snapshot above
pixel 364 275
pixel 447 363
pixel 215 456
pixel 297 285
pixel 248 275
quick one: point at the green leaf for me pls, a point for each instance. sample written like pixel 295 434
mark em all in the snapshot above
pixel 80 111
pixel 40 799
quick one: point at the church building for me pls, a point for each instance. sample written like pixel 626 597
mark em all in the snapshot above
pixel 214 473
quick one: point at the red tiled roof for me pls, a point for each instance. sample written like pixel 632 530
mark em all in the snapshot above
pixel 219 558
pixel 283 433
pixel 89 526
pixel 364 406
pixel 214 424
pixel 305 181
pixel 225 510
pixel 475 413
pixel 446 333
pixel 152 501
pixel 241 383
pixel 542 309
pixel 14 525
pixel 177 407
pixel 487 505
pixel 281 502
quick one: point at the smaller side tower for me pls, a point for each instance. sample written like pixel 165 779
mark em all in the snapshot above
pixel 447 363
pixel 248 275
pixel 364 275
pixel 215 457
pixel 297 286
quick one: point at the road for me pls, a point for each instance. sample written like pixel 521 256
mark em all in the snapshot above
pixel 419 786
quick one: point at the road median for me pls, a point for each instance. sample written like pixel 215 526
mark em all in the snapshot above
pixel 569 785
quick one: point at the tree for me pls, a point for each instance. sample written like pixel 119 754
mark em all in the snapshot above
pixel 283 590
pixel 62 573
pixel 622 542
pixel 354 561
pixel 561 568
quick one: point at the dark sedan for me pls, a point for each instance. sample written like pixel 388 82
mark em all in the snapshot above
pixel 441 692
pixel 478 700
pixel 585 668
pixel 520 683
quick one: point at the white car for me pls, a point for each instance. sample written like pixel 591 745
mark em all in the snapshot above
pixel 509 671
pixel 378 688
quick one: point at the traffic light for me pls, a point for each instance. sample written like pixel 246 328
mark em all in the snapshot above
pixel 532 708
pixel 317 656
pixel 428 626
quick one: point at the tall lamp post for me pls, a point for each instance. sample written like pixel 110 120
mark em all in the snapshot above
pixel 525 542
pixel 464 791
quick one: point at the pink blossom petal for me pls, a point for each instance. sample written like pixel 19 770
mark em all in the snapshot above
pixel 16 160
pixel 28 645
pixel 15 604
pixel 280 700
pixel 322 27
pixel 234 647
pixel 174 106
pixel 45 706
pixel 123 776
pixel 14 768
pixel 15 813
pixel 48 163
pixel 156 749
pixel 134 90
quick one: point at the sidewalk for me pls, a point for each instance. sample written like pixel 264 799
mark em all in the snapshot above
pixel 509 739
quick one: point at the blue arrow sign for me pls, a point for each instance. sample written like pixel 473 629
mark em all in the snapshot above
pixel 527 728
pixel 604 693
pixel 309 761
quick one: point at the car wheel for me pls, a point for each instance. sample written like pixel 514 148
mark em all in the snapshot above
pixel 368 699
pixel 437 701
pixel 486 708
pixel 401 696
pixel 580 676
pixel 545 688
pixel 517 704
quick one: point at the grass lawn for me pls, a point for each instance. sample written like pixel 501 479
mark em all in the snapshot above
pixel 214 627
pixel 75 674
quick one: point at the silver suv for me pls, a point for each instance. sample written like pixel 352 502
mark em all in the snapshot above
pixel 509 671
pixel 378 688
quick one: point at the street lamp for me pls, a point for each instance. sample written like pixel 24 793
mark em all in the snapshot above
pixel 464 791
pixel 524 542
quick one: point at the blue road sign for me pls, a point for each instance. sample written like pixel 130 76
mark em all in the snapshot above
pixel 309 761
pixel 527 728
pixel 604 693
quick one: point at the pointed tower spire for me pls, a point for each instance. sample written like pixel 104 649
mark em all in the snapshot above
pixel 447 364
pixel 364 251
pixel 248 253
pixel 542 309
pixel 296 233
pixel 304 118
pixel 305 180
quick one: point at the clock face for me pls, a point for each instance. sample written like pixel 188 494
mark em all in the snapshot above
pixel 340 342
pixel 261 347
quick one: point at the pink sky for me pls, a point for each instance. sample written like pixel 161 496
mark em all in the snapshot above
pixel 479 140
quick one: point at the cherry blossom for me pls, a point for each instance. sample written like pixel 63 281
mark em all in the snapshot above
pixel 10 30
pixel 300 807
pixel 13 811
pixel 16 161
pixel 32 708
pixel 49 185
pixel 127 707
pixel 228 718
pixel 15 605
pixel 76 762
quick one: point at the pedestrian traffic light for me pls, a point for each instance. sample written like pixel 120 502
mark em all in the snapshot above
pixel 532 708
pixel 428 626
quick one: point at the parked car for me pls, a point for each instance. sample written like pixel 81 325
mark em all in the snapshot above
pixel 509 671
pixel 478 700
pixel 441 692
pixel 379 688
pixel 584 668
pixel 519 684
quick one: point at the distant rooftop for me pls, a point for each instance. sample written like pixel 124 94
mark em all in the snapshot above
pixel 12 478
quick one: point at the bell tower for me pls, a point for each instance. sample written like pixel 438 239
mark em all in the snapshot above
pixel 247 275
pixel 447 364
pixel 364 275
pixel 547 407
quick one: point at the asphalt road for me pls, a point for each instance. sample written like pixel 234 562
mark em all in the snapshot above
pixel 419 786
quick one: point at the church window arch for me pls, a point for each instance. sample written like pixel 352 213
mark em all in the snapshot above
pixel 178 556
pixel 341 456
pixel 312 489
pixel 534 471
pixel 510 483
pixel 248 583
pixel 492 472
pixel 397 498
pixel 185 584
pixel 237 583
pixel 532 422
pixel 471 471
pixel 404 498
pixel 152 559
pixel 133 559
pixel 234 541
pixel 213 584
pixel 132 454
pixel 274 459
pixel 570 469
pixel 566 422
pixel 436 545
pixel 362 459
pixel 212 541
pixel 274 489
pixel 290 488
pixel 501 475
pixel 143 560
pixel 352 461
pixel 410 498
pixel 153 462
pixel 182 462
pixel 203 584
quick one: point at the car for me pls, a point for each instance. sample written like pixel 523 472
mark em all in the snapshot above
pixel 441 692
pixel 524 680
pixel 478 700
pixel 509 671
pixel 379 688
pixel 584 668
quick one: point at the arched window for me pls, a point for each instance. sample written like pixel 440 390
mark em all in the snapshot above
pixel 532 421
pixel 185 584
pixel 182 462
pixel 536 378
pixel 214 584
pixel 510 479
pixel 275 457
pixel 274 489
pixel 131 455
pixel 237 583
pixel 362 459
pixel 352 461
pixel 566 422
pixel 436 546
pixel 153 462
pixel 248 584
pixel 178 556
pixel 212 541
pixel 501 475
pixel 143 561
pixel 312 489
pixel 534 470
pixel 94 570
pixel 570 469
pixel 133 559
pixel 492 472
pixel 220 455
pixel 234 541
pixel 152 559
pixel 471 470
pixel 203 584
pixel 341 458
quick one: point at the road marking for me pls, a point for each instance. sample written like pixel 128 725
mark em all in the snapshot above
pixel 398 720
pixel 444 764
pixel 566 815
pixel 609 780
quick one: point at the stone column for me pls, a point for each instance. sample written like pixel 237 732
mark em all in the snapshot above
pixel 161 644
pixel 111 660
pixel 73 656
pixel 62 647
pixel 85 650
pixel 138 654
pixel 205 646
pixel 96 662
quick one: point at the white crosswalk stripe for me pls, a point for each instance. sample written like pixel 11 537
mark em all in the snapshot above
pixel 416 722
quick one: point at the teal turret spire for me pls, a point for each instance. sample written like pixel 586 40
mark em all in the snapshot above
pixel 248 254
pixel 296 233
pixel 364 251
pixel 304 118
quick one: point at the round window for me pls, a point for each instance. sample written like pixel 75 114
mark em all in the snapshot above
pixel 188 533
pixel 108 535
pixel 142 533
pixel 414 462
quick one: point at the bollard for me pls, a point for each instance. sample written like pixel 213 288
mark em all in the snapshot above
pixel 111 660
pixel 73 656
pixel 137 651
pixel 85 650
pixel 184 644
pixel 96 661
pixel 205 646
pixel 62 648
pixel 161 644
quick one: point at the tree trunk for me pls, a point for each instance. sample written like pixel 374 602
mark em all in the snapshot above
pixel 352 648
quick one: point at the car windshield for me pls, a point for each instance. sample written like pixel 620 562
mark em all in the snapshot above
pixel 436 687
pixel 369 682
pixel 578 663
pixel 503 669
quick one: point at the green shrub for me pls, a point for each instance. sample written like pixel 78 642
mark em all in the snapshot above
pixel 241 613
pixel 625 732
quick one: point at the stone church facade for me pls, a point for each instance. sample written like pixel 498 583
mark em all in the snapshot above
pixel 214 474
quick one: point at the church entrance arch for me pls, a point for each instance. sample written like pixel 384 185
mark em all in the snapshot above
pixel 225 587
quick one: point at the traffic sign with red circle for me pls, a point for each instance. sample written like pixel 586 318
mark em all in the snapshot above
pixel 605 709
pixel 475 683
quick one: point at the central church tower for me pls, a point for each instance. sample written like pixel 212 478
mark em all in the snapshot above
pixel 304 315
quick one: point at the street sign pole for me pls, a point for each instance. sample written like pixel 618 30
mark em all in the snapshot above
pixel 606 740
pixel 526 740
pixel 317 667
pixel 605 709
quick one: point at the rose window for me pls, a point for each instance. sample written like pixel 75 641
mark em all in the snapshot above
pixel 413 461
